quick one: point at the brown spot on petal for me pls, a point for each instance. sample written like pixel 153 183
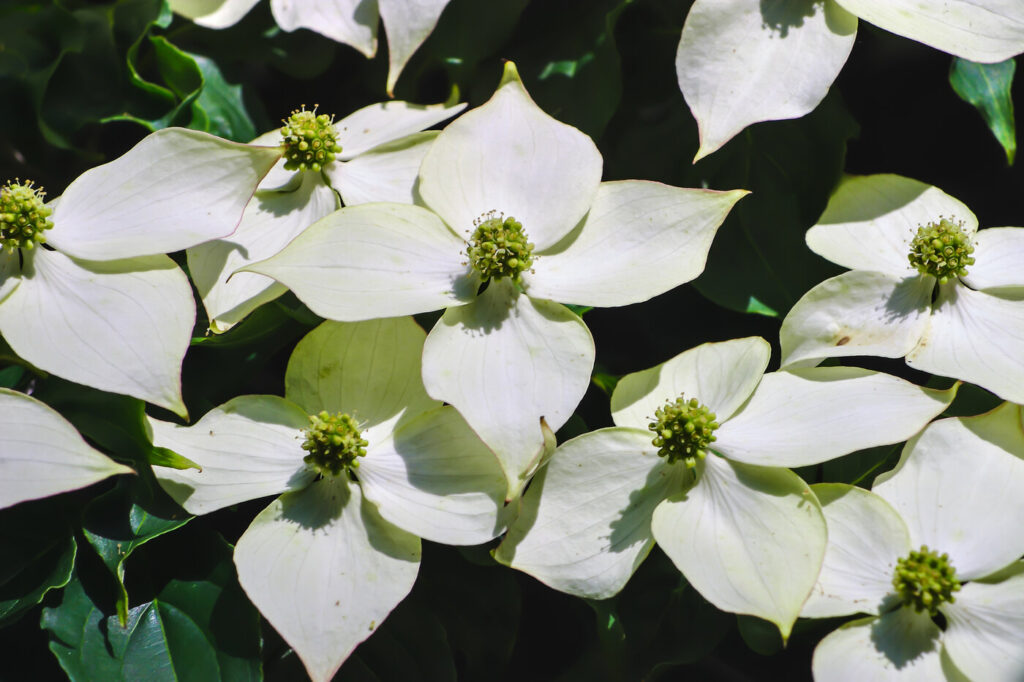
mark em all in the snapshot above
pixel 843 341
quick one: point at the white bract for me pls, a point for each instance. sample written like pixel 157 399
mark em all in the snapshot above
pixel 353 22
pixel 970 326
pixel 41 454
pixel 104 307
pixel 373 154
pixel 744 61
pixel 695 463
pixel 516 200
pixel 382 465
pixel 955 491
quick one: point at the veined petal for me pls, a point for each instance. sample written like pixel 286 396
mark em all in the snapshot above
pixel 866 537
pixel 278 178
pixel 986 627
pixel 385 122
pixel 325 569
pixel 870 221
pixel 639 239
pixel 740 62
pixel 407 24
pixel 860 312
pixel 978 30
pixel 511 157
pixel 370 370
pixel 807 416
pixel 249 447
pixel 375 260
pixel 507 362
pixel 976 337
pixel 957 486
pixel 720 375
pixel 270 222
pixel 902 646
pixel 213 13
pixel 120 326
pixel 10 273
pixel 749 539
pixel 174 189
pixel 584 525
pixel 385 173
pixel 41 454
pixel 998 253
pixel 435 478
pixel 353 22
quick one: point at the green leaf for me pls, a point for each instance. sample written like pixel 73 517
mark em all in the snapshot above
pixel 197 625
pixel 759 262
pixel 987 87
pixel 10 376
pixel 222 103
pixel 37 554
pixel 127 517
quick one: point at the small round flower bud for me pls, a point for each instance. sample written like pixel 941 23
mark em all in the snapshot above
pixel 310 140
pixel 499 247
pixel 333 443
pixel 924 580
pixel 23 216
pixel 682 430
pixel 942 250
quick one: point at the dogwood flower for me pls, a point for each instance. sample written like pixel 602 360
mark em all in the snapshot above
pixel 352 22
pixel 41 454
pixel 373 154
pixel 516 201
pixel 938 535
pixel 695 463
pixel 367 464
pixel 925 284
pixel 86 291
pixel 744 61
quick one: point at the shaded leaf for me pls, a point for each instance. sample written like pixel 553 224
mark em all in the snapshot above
pixel 987 87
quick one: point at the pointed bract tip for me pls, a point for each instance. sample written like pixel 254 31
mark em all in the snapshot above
pixel 510 75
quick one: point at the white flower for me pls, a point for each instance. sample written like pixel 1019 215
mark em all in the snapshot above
pixel 382 465
pixel 744 61
pixel 41 454
pixel 747 533
pixel 971 328
pixel 518 195
pixel 956 490
pixel 376 155
pixel 353 22
pixel 104 307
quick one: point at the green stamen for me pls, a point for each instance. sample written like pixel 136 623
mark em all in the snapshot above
pixel 333 443
pixel 682 430
pixel 925 579
pixel 310 140
pixel 942 250
pixel 499 247
pixel 23 216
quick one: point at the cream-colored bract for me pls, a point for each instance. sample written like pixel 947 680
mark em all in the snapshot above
pixel 352 22
pixel 331 557
pixel 106 308
pixel 512 360
pixel 740 62
pixel 747 534
pixel 41 454
pixel 966 507
pixel 970 328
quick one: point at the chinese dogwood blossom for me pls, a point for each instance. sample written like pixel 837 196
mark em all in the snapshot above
pixel 940 534
pixel 104 306
pixel 367 464
pixel 925 284
pixel 709 487
pixel 515 201
pixel 373 154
